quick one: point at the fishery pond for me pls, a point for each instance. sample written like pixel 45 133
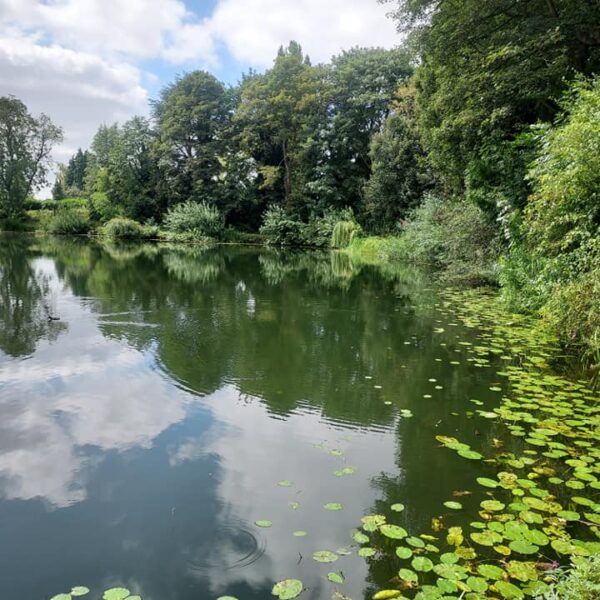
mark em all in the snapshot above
pixel 182 423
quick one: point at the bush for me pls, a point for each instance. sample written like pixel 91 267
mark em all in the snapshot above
pixel 343 233
pixel 581 582
pixel 69 221
pixel 280 229
pixel 125 229
pixel 456 237
pixel 101 208
pixel 196 220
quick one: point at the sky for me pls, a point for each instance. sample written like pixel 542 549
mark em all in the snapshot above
pixel 87 62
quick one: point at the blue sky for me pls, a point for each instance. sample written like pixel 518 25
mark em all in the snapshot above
pixel 87 62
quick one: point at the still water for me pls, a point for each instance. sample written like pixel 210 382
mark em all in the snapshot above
pixel 144 431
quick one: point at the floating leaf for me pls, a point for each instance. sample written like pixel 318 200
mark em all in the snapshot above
pixel 397 507
pixel 79 590
pixel 333 506
pixel 492 505
pixel 335 578
pixel 508 590
pixel 264 524
pixel 286 483
pixel 294 505
pixel 415 542
pixel 486 482
pixel 117 593
pixel 287 589
pixel 300 534
pixel 453 505
pixel 325 556
pixel 408 575
pixel 490 571
pixel 455 536
pixel 372 522
pixel 360 538
pixel 367 552
pixel 470 454
pixel 223 598
pixel 523 547
pixel 61 597
pixel 403 552
pixel 477 584
pixel 387 594
pixel 422 563
pixel 394 532
pixel 486 538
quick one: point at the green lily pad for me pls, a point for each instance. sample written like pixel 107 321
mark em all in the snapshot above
pixel 397 507
pixel 287 589
pixel 422 564
pixel 394 532
pixel 408 575
pixel 264 524
pixel 333 506
pixel 508 590
pixel 477 584
pixel 79 590
pixel 470 454
pixel 387 595
pixel 453 505
pixel 403 552
pixel 486 538
pixel 117 593
pixel 325 556
pixel 490 571
pixel 486 482
pixel 286 483
pixel 335 578
pixel 300 533
pixel 523 547
pixel 61 597
pixel 492 505
pixel 360 538
pixel 367 552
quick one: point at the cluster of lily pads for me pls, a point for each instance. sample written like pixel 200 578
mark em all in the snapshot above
pixel 116 593
pixel 540 507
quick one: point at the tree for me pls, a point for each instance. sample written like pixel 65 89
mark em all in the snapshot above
pixel 58 192
pixel 132 170
pixel 191 115
pixel 25 146
pixel 75 171
pixel 275 112
pixel 362 85
pixel 400 171
pixel 104 141
pixel 489 70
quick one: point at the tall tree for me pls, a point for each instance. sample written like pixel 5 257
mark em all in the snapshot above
pixel 276 110
pixel 488 71
pixel 191 115
pixel 363 82
pixel 25 146
pixel 75 172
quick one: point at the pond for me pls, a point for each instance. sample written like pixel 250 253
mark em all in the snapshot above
pixel 194 423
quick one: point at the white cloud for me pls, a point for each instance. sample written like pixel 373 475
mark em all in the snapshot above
pixel 80 60
pixel 252 30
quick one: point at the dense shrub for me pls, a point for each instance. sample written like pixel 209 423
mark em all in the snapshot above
pixel 343 233
pixel 197 220
pixel 101 208
pixel 457 237
pixel 581 582
pixel 126 229
pixel 281 229
pixel 69 221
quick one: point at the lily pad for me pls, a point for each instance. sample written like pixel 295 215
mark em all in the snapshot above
pixel 453 505
pixel 387 594
pixel 397 507
pixel 394 532
pixel 117 593
pixel 325 556
pixel 408 575
pixel 367 552
pixel 287 589
pixel 333 506
pixel 79 590
pixel 286 483
pixel 264 524
pixel 335 578
pixel 300 533
pixel 403 552
pixel 422 564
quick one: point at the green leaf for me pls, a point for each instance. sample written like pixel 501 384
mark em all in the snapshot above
pixel 523 547
pixel 264 524
pixel 486 482
pixel 367 552
pixel 403 552
pixel 335 578
pixel 325 556
pixel 300 533
pixel 397 507
pixel 508 590
pixel 287 589
pixel 79 590
pixel 394 532
pixel 387 595
pixel 117 593
pixel 61 597
pixel 477 584
pixel 408 575
pixel 422 564
pixel 333 506
pixel 453 505
pixel 286 483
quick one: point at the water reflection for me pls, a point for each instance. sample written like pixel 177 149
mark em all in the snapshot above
pixel 147 438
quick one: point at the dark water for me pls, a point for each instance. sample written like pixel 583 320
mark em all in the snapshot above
pixel 143 433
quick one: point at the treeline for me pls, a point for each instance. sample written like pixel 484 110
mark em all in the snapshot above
pixel 299 137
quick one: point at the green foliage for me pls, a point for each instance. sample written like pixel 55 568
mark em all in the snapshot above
pixel 279 229
pixel 400 176
pixel 69 221
pixel 100 207
pixel 121 228
pixel 581 582
pixel 343 233
pixel 25 146
pixel 198 220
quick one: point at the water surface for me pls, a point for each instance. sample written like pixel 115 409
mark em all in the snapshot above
pixel 151 399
